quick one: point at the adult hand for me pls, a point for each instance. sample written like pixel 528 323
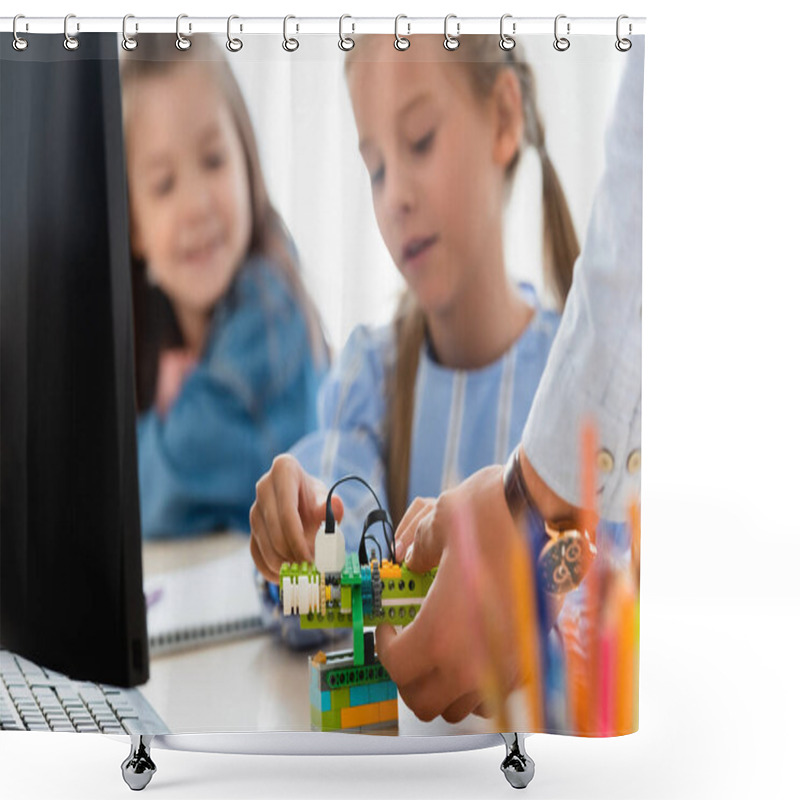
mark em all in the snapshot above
pixel 286 515
pixel 462 645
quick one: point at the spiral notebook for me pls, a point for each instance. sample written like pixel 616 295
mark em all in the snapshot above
pixel 203 604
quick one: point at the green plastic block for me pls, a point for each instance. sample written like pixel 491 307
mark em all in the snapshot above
pixel 340 698
pixel 331 720
pixel 355 676
pixel 358 628
pixel 346 603
pixel 351 573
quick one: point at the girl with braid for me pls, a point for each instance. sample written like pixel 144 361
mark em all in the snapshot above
pixel 417 405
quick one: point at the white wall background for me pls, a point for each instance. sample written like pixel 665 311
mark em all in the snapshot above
pixel 309 151
pixel 720 700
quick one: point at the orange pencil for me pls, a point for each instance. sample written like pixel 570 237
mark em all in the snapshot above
pixel 626 661
pixel 594 580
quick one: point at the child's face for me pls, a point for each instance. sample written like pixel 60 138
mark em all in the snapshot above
pixel 437 177
pixel 189 190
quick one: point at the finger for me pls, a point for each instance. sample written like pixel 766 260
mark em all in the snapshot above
pixel 431 695
pixel 320 508
pixel 482 710
pixel 462 707
pixel 287 490
pixel 426 550
pixel 256 532
pixel 401 654
pixel 338 507
pixel 258 559
pixel 411 512
pixel 273 545
pixel 410 523
pixel 314 503
pixel 264 555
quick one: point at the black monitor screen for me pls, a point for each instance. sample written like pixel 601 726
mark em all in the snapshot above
pixel 70 550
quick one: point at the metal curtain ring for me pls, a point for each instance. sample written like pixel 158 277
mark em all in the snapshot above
pixel 623 45
pixel 289 44
pixel 182 43
pixel 345 42
pixel 451 42
pixel 234 45
pixel 506 42
pixel 561 43
pixel 70 42
pixel 19 43
pixel 401 42
pixel 128 42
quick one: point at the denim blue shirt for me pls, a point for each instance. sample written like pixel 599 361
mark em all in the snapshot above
pixel 250 397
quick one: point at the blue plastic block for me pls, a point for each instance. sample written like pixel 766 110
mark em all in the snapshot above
pixel 360 696
pixel 386 690
pixel 326 701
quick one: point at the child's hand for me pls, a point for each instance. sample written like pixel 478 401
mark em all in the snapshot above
pixel 174 366
pixel 289 508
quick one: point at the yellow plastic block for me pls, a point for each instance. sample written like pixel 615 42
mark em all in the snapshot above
pixel 355 716
pixel 387 710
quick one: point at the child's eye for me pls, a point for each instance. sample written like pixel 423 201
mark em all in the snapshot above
pixel 423 145
pixel 214 160
pixel 163 186
pixel 377 176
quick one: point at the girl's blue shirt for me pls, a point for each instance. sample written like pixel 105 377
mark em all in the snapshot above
pixel 463 419
pixel 251 396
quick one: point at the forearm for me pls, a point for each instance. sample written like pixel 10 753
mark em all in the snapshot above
pixel 593 374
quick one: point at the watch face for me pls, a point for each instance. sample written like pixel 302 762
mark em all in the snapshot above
pixel 565 560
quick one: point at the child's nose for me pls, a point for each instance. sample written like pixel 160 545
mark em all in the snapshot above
pixel 197 199
pixel 400 191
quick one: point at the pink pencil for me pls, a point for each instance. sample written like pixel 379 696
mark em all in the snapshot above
pixel 608 646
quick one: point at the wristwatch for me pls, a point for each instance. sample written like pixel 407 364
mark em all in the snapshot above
pixel 563 551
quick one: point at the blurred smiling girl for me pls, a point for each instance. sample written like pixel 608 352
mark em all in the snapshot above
pixel 229 350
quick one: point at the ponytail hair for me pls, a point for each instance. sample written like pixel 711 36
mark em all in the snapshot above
pixel 484 61
pixel 559 240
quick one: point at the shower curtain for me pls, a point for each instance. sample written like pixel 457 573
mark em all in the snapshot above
pixel 364 277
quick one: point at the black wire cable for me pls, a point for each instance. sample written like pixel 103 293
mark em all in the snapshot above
pixel 371 538
pixel 330 522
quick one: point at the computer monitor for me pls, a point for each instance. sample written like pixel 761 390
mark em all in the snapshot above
pixel 70 545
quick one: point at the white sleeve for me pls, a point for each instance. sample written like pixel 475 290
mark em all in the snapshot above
pixel 594 371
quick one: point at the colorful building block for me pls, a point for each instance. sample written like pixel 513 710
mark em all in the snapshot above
pixel 344 696
pixel 350 690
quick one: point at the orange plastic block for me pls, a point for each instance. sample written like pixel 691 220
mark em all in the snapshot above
pixel 388 570
pixel 356 716
pixel 388 710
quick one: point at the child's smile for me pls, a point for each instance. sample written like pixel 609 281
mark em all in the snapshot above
pixel 190 194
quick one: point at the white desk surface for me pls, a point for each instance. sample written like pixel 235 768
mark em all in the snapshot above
pixel 252 684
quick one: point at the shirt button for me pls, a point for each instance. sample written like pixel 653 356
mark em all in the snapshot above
pixel 634 461
pixel 605 461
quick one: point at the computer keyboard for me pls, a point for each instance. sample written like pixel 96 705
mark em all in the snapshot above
pixel 37 699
